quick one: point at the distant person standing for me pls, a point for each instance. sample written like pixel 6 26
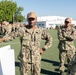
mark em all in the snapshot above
pixel 1 40
pixel 66 36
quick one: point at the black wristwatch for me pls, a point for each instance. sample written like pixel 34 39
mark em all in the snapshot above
pixel 43 49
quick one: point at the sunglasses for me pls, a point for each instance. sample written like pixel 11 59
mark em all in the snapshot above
pixel 31 19
pixel 67 22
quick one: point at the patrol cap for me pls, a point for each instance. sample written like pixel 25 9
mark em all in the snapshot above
pixel 68 20
pixel 31 15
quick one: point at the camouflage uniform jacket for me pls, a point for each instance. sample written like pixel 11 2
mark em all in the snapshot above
pixel 30 41
pixel 66 42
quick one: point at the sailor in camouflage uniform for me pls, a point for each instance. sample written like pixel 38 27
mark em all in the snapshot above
pixel 30 53
pixel 30 38
pixel 66 36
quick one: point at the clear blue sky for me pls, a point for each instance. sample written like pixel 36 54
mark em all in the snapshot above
pixel 66 8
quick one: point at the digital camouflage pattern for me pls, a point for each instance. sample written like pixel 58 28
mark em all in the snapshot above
pixel 30 49
pixel 66 44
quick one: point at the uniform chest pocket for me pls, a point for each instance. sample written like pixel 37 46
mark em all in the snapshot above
pixel 26 36
pixel 38 35
pixel 69 32
pixel 26 40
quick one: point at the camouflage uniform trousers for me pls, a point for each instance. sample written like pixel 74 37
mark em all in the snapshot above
pixel 25 68
pixel 63 54
pixel 28 67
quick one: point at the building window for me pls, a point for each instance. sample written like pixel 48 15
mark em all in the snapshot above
pixel 39 24
pixel 42 24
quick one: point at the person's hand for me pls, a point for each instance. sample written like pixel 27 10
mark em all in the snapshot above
pixel 63 33
pixel 41 51
pixel 1 40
